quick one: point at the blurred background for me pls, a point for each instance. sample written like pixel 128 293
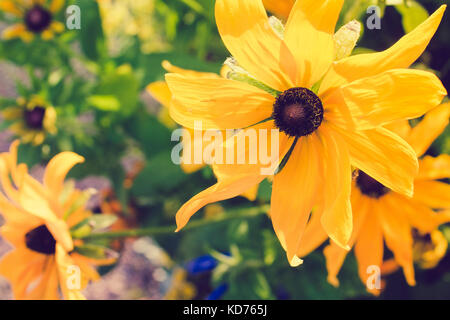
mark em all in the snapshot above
pixel 94 79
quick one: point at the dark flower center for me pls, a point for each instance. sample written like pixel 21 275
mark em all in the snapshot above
pixel 369 186
pixel 35 118
pixel 37 19
pixel 298 112
pixel 40 240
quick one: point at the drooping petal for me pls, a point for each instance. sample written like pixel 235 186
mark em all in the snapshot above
pixel 47 288
pixel 337 210
pixel 314 235
pixel 57 169
pixel 420 216
pixel 309 35
pixel 369 249
pixel 431 168
pixel 434 194
pixel 294 194
pixel 384 156
pixel 390 96
pixel 235 178
pixel 334 254
pixel 160 91
pixel 431 127
pixel 247 34
pixel 401 55
pixel 12 7
pixel 397 234
pixel 64 262
pixel 218 103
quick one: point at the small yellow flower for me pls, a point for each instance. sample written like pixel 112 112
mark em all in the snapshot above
pixel 31 119
pixel 38 219
pixel 381 215
pixel 37 18
pixel 330 114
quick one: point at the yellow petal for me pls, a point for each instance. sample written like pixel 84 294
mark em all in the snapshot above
pixel 431 127
pixel 314 235
pixel 64 261
pixel 401 55
pixel 160 91
pixel 233 179
pixel 422 217
pixel 289 212
pixel 245 31
pixel 393 95
pixel 14 31
pixel 57 169
pixel 397 234
pixel 47 288
pixel 384 156
pixel 186 72
pixel 56 5
pixel 309 35
pixel 337 211
pixel 434 194
pixel 334 254
pixel 12 7
pixel 281 8
pixel 369 246
pixel 251 193
pixel 431 168
pixel 218 103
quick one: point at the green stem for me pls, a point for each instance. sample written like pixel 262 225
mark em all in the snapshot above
pixel 157 231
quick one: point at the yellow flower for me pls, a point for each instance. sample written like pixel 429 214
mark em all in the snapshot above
pixel 280 8
pixel 160 91
pixel 384 216
pixel 330 113
pixel 32 119
pixel 38 221
pixel 37 18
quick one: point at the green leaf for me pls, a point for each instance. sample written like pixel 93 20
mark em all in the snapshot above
pixel 96 251
pixel 159 174
pixel 413 14
pixel 104 102
pixel 92 224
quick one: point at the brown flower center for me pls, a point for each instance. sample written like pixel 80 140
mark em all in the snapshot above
pixel 37 19
pixel 298 112
pixel 40 240
pixel 369 186
pixel 34 118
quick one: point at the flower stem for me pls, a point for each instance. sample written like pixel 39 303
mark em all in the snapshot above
pixel 246 213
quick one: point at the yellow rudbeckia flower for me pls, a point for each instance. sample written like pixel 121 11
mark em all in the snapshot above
pixel 381 215
pixel 160 91
pixel 31 119
pixel 37 18
pixel 329 113
pixel 38 221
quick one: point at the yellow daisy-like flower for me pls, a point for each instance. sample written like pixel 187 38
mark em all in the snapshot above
pixel 160 91
pixel 280 8
pixel 38 218
pixel 384 216
pixel 330 114
pixel 37 18
pixel 32 119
